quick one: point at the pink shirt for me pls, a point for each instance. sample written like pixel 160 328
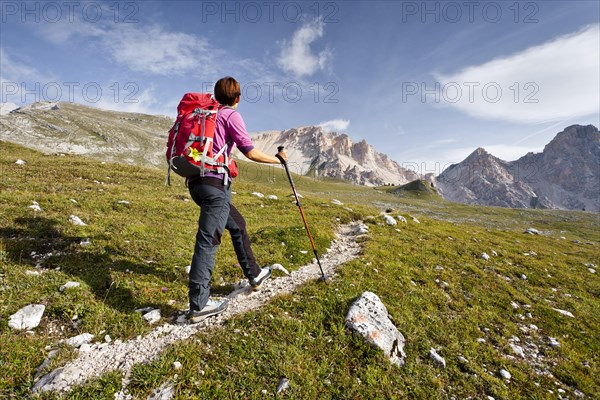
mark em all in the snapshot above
pixel 230 129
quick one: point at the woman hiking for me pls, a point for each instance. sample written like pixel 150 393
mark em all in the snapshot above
pixel 212 192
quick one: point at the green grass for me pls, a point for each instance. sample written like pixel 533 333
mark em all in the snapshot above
pixel 138 251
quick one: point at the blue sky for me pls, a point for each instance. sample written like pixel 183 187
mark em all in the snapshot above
pixel 425 82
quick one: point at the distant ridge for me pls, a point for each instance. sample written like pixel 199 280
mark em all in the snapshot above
pixel 566 175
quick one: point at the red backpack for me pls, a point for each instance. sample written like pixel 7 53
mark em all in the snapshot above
pixel 190 143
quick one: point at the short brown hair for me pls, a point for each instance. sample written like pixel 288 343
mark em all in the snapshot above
pixel 227 91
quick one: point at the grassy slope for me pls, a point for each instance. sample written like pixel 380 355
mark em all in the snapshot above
pixel 300 336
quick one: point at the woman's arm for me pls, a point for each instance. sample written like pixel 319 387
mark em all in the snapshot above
pixel 259 156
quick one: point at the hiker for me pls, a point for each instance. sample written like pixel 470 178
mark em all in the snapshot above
pixel 212 192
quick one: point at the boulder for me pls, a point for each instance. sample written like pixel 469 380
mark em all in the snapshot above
pixel 28 317
pixel 369 317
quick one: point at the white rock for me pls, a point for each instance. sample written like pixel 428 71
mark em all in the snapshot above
pixel 563 312
pixel 439 360
pixel 390 220
pixel 75 220
pixel 532 231
pixel 177 365
pixel 153 316
pixel 304 251
pixel 20 162
pixel 514 305
pixel 361 229
pixel 480 340
pixel 415 220
pixel 34 273
pixel 258 194
pixel 69 285
pixel 402 219
pixel 518 350
pixel 494 253
pixel 524 277
pixel 107 339
pixel 505 374
pixel 85 242
pixel 272 197
pixel 188 269
pixel 592 270
pixel 165 392
pixel 337 202
pixel 123 202
pixel 77 341
pixel 462 360
pixel 28 317
pixel 368 316
pixel 485 256
pixel 84 348
pixel 35 207
pixel 553 342
pixel 279 267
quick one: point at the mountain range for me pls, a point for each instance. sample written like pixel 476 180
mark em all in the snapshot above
pixel 566 175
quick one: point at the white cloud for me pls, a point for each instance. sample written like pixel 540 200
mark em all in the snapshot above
pixel 297 57
pixel 556 80
pixel 335 125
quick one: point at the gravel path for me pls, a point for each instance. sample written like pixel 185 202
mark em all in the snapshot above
pixel 117 355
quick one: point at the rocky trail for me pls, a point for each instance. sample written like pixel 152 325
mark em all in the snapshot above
pixel 99 358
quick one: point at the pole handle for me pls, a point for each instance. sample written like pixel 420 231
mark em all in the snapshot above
pixel 279 150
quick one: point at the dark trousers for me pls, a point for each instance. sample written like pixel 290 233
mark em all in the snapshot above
pixel 213 200
pixel 236 225
pixel 216 214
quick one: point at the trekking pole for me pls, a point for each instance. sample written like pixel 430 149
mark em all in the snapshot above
pixel 312 242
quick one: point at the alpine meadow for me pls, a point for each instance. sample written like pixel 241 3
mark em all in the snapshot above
pixel 312 200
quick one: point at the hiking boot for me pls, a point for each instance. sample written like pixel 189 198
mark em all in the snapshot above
pixel 265 273
pixel 212 307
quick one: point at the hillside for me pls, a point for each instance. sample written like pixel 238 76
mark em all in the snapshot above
pixel 77 129
pixel 482 314
pixel 566 175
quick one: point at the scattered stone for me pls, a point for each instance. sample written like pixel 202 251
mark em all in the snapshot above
pixel 514 305
pixel 165 392
pixel 553 342
pixel 85 242
pixel 361 229
pixel 177 365
pixel 485 256
pixel 75 220
pixel 20 162
pixel 439 360
pixel 390 220
pixel 462 360
pixel 284 383
pixel 107 339
pixel 69 285
pixel 480 340
pixel 258 194
pixel 415 220
pixel 272 197
pixel 28 317
pixel 402 219
pixel 279 267
pixel 77 341
pixel 532 231
pixel 368 316
pixel 518 350
pixel 152 316
pixel 439 268
pixel 304 251
pixel 494 253
pixel 524 277
pixel 592 270
pixel 337 202
pixel 188 269
pixel 34 273
pixel 563 312
pixel 35 206
pixel 505 374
